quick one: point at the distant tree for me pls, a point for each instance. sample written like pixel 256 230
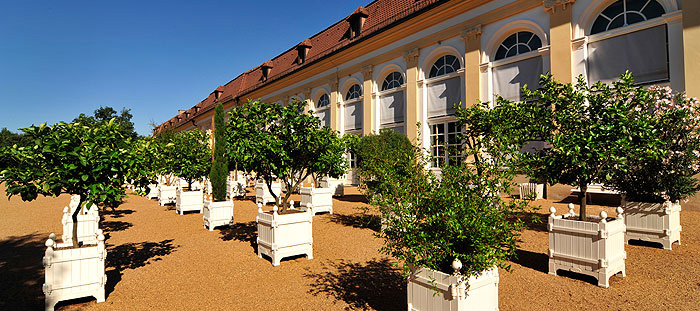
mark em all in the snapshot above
pixel 104 114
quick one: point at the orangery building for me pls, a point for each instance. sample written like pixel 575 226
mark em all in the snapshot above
pixel 403 64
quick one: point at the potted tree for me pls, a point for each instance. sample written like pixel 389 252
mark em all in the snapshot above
pixel 330 163
pixel 193 162
pixel 452 234
pixel 165 160
pixel 593 130
pixel 653 187
pixel 218 211
pixel 90 162
pixel 282 141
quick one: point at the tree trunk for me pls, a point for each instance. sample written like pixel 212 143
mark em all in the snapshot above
pixel 582 196
pixel 75 221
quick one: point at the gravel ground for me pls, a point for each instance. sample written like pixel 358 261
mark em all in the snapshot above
pixel 158 260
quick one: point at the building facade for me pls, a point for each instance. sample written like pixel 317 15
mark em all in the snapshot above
pixel 403 64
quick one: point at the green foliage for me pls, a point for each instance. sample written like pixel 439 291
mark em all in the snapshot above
pixel 91 161
pixel 192 155
pixel 219 168
pixel 184 154
pixel 384 160
pixel 430 222
pixel 669 177
pixel 9 139
pixel 105 114
pixel 593 130
pixel 282 141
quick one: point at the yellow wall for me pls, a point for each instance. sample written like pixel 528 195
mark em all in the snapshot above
pixel 367 102
pixel 560 34
pixel 691 46
pixel 472 59
pixel 412 111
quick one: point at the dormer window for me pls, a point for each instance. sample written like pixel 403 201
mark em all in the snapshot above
pixel 303 51
pixel 265 69
pixel 356 21
pixel 217 93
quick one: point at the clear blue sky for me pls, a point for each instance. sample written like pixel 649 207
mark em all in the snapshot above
pixel 62 58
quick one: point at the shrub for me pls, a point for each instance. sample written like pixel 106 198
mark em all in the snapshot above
pixel 219 167
pixel 669 176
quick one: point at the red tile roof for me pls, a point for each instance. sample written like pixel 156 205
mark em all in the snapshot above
pixel 381 14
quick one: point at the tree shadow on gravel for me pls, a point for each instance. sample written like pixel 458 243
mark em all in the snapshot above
pixel 358 220
pixel 117 213
pixel 115 226
pixel 532 260
pixel 375 284
pixel 356 198
pixel 22 272
pixel 244 232
pixel 132 256
pixel 533 221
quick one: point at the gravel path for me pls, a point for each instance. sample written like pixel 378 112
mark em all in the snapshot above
pixel 158 260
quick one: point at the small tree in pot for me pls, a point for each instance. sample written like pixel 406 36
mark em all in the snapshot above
pixel 90 161
pixel 594 131
pixel 458 224
pixel 219 211
pixel 283 141
pixel 654 186
pixel 193 155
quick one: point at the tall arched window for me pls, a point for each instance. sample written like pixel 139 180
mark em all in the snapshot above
pixel 626 12
pixel 354 92
pixel 352 109
pixel 322 112
pixel 510 76
pixel 444 65
pixel 518 43
pixel 323 101
pixel 392 103
pixel 642 51
pixel 392 81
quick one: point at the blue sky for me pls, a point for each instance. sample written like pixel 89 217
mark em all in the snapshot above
pixel 62 58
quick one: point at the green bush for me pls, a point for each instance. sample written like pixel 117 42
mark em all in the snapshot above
pixel 384 160
pixel 219 168
pixel 430 222
pixel 669 176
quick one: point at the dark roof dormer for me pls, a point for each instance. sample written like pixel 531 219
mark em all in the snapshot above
pixel 303 51
pixel 265 68
pixel 217 93
pixel 356 21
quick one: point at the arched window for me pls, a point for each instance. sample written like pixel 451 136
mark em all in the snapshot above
pixel 518 43
pixel 444 65
pixel 392 81
pixel 626 12
pixel 354 92
pixel 323 101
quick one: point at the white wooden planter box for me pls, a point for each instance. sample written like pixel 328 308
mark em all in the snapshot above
pixel 217 214
pixel 527 190
pixel 263 195
pixel 74 272
pixel 166 194
pixel 653 222
pixel 153 191
pixel 235 188
pixel 88 222
pixel 284 235
pixel 320 199
pixel 336 185
pixel 592 248
pixel 432 290
pixel 188 201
